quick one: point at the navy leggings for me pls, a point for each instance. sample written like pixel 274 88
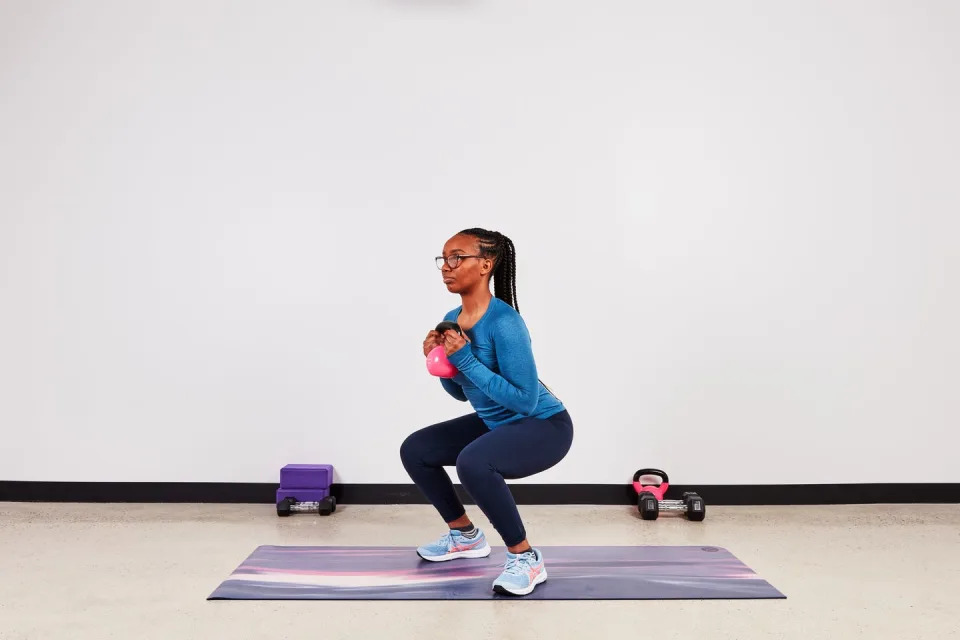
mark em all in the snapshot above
pixel 485 458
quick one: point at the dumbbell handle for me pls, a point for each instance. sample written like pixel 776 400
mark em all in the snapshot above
pixel 305 507
pixel 673 505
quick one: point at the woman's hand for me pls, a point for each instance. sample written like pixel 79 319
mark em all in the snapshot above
pixel 453 341
pixel 433 340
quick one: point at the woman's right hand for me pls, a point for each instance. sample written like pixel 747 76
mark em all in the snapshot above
pixel 434 339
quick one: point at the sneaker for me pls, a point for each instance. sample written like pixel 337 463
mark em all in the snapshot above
pixel 455 545
pixel 523 572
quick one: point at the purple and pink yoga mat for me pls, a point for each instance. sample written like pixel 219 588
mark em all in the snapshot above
pixel 575 573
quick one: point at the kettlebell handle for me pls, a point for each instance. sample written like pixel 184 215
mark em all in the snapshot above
pixel 651 472
pixel 445 326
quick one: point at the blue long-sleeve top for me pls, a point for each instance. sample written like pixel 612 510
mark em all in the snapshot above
pixel 496 371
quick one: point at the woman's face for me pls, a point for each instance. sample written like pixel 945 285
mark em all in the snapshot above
pixel 468 271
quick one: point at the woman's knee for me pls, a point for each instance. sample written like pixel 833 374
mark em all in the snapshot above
pixel 411 449
pixel 470 465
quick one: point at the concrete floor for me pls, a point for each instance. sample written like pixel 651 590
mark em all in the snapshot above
pixel 144 571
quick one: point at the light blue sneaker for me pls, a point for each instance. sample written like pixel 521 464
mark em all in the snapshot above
pixel 455 545
pixel 523 572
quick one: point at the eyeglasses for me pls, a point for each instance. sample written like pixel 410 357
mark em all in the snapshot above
pixel 452 261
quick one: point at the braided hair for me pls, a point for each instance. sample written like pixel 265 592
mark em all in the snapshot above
pixel 500 249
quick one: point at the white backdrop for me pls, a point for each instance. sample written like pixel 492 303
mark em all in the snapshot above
pixel 737 231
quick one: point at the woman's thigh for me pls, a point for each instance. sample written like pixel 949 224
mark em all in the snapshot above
pixel 440 444
pixel 521 448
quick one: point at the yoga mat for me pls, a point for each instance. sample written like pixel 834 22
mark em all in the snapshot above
pixel 574 573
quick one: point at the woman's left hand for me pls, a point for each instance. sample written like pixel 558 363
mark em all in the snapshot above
pixel 453 341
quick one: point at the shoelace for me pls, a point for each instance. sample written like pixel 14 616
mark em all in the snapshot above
pixel 518 566
pixel 445 540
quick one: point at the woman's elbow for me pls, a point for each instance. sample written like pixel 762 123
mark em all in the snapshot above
pixel 528 405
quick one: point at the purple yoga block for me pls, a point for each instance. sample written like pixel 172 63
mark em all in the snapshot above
pixel 306 476
pixel 302 495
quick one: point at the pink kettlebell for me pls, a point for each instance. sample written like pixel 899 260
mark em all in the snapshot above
pixel 437 363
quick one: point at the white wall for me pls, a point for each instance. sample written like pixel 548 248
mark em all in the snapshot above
pixel 737 230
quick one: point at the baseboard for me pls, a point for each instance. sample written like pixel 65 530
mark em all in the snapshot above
pixel 604 494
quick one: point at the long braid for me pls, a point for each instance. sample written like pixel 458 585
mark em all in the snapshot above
pixel 499 247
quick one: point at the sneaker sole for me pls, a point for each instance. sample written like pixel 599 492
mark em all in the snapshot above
pixel 499 588
pixel 472 553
